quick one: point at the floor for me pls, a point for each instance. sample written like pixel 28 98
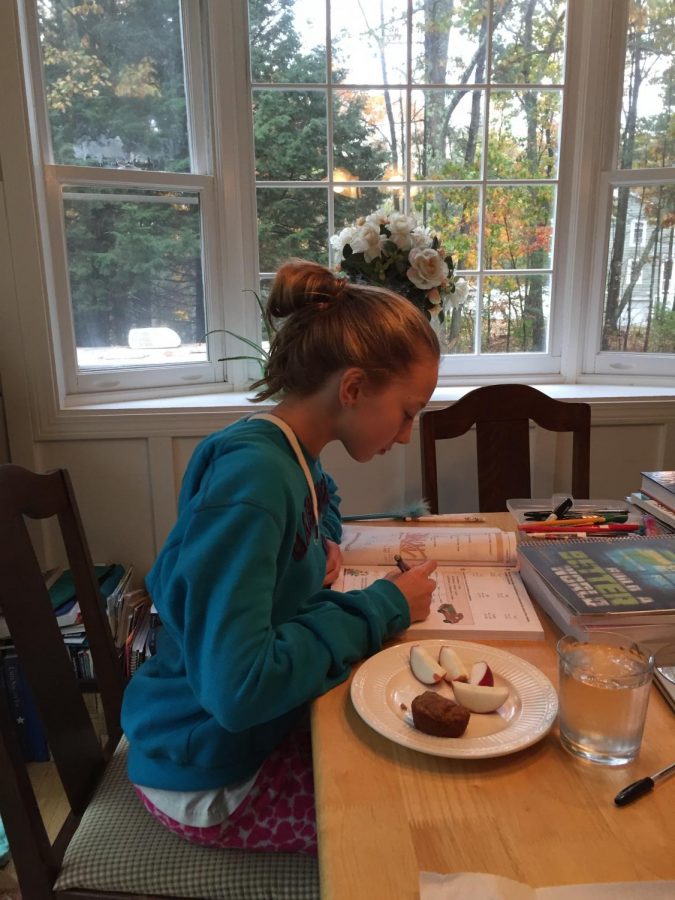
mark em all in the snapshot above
pixel 51 798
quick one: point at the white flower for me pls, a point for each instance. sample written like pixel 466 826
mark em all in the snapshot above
pixel 427 269
pixel 401 227
pixel 379 217
pixel 366 240
pixel 338 241
pixel 421 238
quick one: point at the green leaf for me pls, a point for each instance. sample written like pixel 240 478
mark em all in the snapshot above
pixel 260 350
pixel 253 358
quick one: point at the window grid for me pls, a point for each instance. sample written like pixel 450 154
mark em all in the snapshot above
pixel 408 184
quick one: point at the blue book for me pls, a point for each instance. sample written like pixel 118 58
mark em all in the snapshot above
pixel 30 731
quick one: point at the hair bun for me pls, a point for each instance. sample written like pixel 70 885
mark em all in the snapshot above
pixel 299 283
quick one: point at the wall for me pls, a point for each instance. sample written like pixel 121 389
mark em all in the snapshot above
pixel 127 487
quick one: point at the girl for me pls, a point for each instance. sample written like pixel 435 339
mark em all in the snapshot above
pixel 251 630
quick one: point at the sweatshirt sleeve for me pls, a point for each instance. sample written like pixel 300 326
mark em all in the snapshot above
pixel 244 667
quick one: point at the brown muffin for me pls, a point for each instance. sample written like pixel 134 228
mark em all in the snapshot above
pixel 434 714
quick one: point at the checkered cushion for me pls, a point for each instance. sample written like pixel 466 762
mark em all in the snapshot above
pixel 120 847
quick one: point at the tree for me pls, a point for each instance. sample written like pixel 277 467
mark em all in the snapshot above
pixel 526 48
pixel 290 140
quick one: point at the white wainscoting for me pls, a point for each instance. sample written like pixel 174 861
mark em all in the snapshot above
pixel 127 487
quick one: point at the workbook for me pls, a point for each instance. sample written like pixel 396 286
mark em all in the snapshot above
pixel 604 583
pixel 479 593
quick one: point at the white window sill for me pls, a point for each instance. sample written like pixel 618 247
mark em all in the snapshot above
pixel 241 402
pixel 197 414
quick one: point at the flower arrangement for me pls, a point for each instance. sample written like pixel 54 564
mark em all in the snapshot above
pixel 391 250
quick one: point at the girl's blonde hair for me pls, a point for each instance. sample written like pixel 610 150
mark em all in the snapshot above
pixel 329 324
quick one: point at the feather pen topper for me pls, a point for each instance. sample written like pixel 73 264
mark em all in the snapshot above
pixel 413 511
pixel 416 512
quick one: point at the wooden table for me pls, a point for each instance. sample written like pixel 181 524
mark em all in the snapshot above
pixel 540 816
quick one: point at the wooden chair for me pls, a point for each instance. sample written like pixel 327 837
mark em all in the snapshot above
pixel 109 846
pixel 502 414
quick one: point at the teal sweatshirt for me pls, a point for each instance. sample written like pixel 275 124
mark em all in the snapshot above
pixel 248 635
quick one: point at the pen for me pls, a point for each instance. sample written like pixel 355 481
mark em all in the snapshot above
pixel 557 535
pixel 609 515
pixel 563 523
pixel 401 563
pixel 589 529
pixel 643 786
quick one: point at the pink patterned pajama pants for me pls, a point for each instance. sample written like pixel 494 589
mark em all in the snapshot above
pixel 278 812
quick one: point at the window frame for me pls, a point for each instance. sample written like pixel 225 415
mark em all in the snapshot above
pixel 596 363
pixel 223 245
pixel 218 87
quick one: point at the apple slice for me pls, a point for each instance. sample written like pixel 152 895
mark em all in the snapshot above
pixel 481 674
pixel 479 698
pixel 424 666
pixel 454 667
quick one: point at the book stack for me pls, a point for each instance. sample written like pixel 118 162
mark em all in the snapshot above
pixel 61 588
pixel 656 497
pixel 134 622
pixel 111 579
pixel 626 585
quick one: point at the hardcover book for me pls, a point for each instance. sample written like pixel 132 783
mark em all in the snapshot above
pixel 479 593
pixel 660 486
pixel 22 707
pixel 605 582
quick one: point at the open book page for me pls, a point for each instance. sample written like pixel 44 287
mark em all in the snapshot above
pixel 372 545
pixel 461 885
pixel 469 602
pixel 479 596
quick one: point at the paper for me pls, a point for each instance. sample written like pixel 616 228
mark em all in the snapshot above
pixel 483 886
pixel 478 593
pixel 368 545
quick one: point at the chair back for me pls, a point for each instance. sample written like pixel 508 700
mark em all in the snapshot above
pixel 502 415
pixel 48 670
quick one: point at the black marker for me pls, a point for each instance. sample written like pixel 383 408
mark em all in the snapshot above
pixel 561 509
pixel 643 786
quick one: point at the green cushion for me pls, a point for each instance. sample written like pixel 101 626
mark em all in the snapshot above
pixel 120 847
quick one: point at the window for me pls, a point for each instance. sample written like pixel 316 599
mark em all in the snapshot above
pixel 127 189
pixel 638 324
pixel 451 111
pixel 186 147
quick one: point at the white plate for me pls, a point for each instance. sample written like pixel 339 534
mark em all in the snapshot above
pixel 384 686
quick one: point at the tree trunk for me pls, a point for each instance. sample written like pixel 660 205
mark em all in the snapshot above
pixel 610 330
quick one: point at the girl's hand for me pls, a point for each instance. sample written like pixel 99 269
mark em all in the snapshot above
pixel 417 586
pixel 333 562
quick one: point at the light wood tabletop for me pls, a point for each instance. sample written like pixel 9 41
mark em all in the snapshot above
pixel 540 816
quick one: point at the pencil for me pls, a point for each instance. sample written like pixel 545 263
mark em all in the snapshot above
pixel 446 517
pixel 401 563
pixel 617 528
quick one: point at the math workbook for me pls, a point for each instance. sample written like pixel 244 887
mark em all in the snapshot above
pixel 479 593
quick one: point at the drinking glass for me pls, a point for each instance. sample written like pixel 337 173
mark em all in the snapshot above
pixel 603 695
